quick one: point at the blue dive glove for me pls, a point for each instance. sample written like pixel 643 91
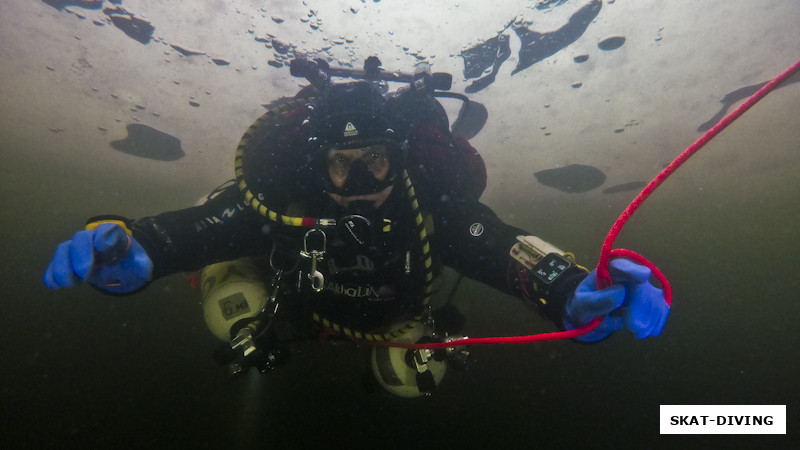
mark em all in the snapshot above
pixel 105 257
pixel 630 302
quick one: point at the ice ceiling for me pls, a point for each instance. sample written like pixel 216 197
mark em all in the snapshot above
pixel 584 96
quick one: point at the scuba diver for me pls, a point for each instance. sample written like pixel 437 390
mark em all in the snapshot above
pixel 347 203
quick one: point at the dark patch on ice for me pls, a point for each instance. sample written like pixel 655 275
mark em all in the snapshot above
pixel 547 4
pixel 86 4
pixel 538 46
pixel 572 179
pixel 631 186
pixel 280 47
pixel 630 124
pixel 136 28
pixel 577 85
pixel 492 53
pixel 147 142
pixel 733 97
pixel 220 62
pixel 611 43
pixel 535 47
pixel 482 56
pixel 185 51
pixel 581 58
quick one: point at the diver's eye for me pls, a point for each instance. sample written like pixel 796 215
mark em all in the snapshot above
pixel 376 156
pixel 339 163
pixel 339 159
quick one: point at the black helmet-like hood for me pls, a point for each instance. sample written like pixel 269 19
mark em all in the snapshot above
pixel 353 115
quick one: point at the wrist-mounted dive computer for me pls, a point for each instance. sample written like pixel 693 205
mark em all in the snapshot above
pixel 545 261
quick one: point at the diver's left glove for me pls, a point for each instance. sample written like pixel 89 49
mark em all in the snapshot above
pixel 105 257
pixel 630 302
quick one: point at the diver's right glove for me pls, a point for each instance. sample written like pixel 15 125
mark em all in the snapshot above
pixel 105 257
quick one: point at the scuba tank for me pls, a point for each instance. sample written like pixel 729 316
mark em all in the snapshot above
pixel 231 291
pixel 238 309
pixel 407 372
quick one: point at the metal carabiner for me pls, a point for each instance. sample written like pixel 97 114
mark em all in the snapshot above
pixel 317 280
pixel 305 240
pixel 316 277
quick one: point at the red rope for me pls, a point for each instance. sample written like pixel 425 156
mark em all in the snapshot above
pixel 569 334
pixel 603 277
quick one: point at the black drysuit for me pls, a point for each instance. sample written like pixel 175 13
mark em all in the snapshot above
pixel 371 285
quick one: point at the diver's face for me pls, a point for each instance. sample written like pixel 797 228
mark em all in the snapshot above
pixel 374 157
